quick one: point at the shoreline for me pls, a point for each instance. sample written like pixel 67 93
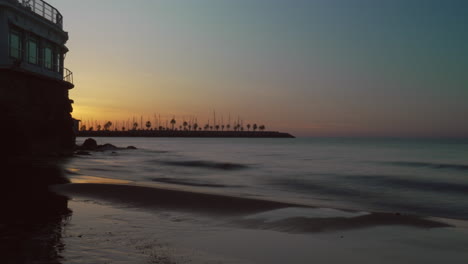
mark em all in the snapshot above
pixel 268 214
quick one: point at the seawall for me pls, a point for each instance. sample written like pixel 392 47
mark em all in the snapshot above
pixel 178 133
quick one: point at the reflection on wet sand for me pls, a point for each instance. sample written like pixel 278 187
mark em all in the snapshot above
pixel 32 217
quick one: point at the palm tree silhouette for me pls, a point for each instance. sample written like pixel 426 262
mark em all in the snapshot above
pixel 248 127
pixel 107 125
pixel 195 126
pixel 262 127
pixel 173 122
pixel 255 127
pixel 148 125
pixel 185 124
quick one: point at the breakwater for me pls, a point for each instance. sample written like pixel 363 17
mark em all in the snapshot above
pixel 184 133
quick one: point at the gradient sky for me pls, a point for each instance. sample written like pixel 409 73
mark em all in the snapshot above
pixel 309 67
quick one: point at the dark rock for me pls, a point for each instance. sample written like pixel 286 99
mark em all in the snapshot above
pixel 131 147
pixel 89 144
pixel 106 147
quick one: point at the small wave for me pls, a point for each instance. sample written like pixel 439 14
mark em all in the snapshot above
pixel 430 165
pixel 319 224
pixel 160 198
pixel 187 183
pixel 415 184
pixel 206 164
pixel 72 172
pixel 158 151
pixel 304 186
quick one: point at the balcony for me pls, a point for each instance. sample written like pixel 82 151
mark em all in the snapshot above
pixel 44 10
pixel 67 75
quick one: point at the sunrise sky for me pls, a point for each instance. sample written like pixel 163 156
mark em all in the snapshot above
pixel 309 67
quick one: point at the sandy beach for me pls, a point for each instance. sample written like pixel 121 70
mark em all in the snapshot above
pixel 112 225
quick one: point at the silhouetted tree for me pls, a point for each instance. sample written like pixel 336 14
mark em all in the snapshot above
pixel 83 128
pixel 207 127
pixel 91 129
pixel 185 124
pixel 228 126
pixel 255 127
pixel 195 126
pixel 173 122
pixel 135 126
pixel 107 125
pixel 148 125
pixel 99 127
pixel 262 127
pixel 123 128
pixel 217 127
pixel 248 127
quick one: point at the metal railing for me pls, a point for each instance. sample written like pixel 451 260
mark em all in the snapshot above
pixel 43 9
pixel 67 75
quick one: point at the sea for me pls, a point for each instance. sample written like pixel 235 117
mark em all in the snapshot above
pixel 425 177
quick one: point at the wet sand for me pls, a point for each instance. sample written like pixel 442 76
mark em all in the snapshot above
pixel 153 198
pixel 101 231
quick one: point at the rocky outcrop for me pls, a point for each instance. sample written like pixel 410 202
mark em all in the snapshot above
pixel 91 144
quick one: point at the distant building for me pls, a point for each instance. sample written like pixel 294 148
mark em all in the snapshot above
pixel 34 83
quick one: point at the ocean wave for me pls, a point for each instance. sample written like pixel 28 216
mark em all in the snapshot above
pixel 306 186
pixel 431 165
pixel 161 198
pixel 205 164
pixel 414 184
pixel 354 185
pixel 382 192
pixel 315 225
pixel 188 183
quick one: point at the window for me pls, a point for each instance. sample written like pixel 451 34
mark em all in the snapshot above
pixel 15 45
pixel 57 64
pixel 33 51
pixel 48 58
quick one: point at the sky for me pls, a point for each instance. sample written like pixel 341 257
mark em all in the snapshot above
pixel 392 68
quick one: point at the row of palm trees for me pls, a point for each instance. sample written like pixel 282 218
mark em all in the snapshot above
pixel 185 126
